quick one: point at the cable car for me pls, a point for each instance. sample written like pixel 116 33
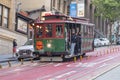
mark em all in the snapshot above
pixel 53 37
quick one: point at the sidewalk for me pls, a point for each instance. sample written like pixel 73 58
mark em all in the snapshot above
pixel 113 74
pixel 5 57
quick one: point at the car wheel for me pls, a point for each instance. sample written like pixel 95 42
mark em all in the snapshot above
pixel 19 59
pixel 16 55
pixel 83 54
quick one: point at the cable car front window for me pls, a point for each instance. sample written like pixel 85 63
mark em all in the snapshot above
pixel 48 30
pixel 59 30
pixel 39 31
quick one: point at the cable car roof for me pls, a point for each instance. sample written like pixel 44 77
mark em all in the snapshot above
pixel 64 19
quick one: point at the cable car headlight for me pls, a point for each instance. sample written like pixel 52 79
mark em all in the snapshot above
pixel 49 45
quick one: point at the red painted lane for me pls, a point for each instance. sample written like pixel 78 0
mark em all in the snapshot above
pixel 102 58
pixel 87 71
pixel 94 71
pixel 30 72
pixel 60 71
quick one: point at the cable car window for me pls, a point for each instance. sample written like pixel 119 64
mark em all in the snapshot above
pixel 59 30
pixel 48 30
pixel 85 30
pixel 73 29
pixel 30 35
pixel 91 30
pixel 39 31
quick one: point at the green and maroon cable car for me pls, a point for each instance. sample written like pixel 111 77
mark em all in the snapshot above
pixel 52 37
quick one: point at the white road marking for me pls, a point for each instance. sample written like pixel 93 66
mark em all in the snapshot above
pixel 66 74
pixel 11 71
pixel 110 58
pixel 90 64
pixel 71 64
pixel 16 70
pixel 43 77
pixel 35 64
pixel 79 64
pixel 103 65
pixel 63 75
pixel 59 64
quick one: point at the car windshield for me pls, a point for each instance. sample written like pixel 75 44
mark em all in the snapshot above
pixel 96 39
pixel 29 42
pixel 102 39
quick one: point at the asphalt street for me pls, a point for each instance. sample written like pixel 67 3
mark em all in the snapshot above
pixel 93 68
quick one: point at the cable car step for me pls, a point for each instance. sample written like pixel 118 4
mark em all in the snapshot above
pixel 51 59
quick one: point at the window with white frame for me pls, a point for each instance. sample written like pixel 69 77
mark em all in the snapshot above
pixel 22 25
pixel 0 15
pixel 5 17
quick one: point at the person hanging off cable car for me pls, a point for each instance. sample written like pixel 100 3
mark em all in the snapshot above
pixel 78 43
pixel 73 43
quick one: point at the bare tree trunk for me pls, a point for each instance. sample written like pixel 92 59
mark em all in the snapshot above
pixel 110 25
pixel 117 31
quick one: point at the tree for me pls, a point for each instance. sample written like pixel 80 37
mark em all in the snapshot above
pixel 109 9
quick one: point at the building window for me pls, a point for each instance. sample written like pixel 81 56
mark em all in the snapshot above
pixel 0 15
pixel 5 17
pixel 22 26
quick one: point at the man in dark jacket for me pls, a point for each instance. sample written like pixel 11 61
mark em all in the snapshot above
pixel 73 43
pixel 78 43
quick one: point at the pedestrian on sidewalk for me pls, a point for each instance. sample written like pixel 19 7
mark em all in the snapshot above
pixel 14 47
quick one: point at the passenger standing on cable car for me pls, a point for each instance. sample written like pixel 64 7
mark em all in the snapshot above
pixel 73 43
pixel 78 43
